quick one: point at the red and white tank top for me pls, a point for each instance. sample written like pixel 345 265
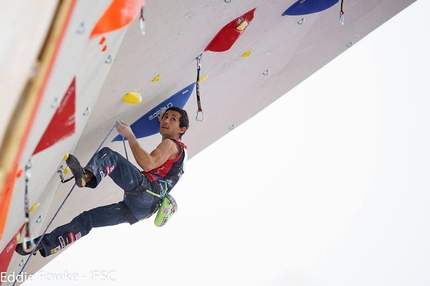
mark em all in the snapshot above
pixel 172 170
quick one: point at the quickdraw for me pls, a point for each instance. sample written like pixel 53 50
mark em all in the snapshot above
pixel 28 242
pixel 142 22
pixel 341 13
pixel 199 115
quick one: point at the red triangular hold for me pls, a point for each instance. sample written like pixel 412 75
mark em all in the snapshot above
pixel 63 122
pixel 8 251
pixel 229 34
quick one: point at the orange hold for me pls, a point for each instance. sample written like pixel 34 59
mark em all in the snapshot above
pixel 102 40
pixel 6 198
pixel 119 14
pixel 19 172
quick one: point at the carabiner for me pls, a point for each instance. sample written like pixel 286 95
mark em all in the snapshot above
pixel 28 243
pixel 200 116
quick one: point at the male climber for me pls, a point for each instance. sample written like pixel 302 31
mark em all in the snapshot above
pixel 162 167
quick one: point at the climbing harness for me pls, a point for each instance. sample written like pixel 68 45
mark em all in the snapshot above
pixel 199 115
pixel 28 242
pixel 165 207
pixel 341 13
pixel 36 246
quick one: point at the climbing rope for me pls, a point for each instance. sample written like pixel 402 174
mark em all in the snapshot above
pixel 199 114
pixel 27 176
pixel 44 232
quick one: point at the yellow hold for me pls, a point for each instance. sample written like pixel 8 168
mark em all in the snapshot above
pixel 242 25
pixel 66 157
pixel 157 78
pixel 202 79
pixel 34 206
pixel 246 54
pixel 132 98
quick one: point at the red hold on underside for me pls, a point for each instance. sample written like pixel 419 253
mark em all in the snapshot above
pixel 62 123
pixel 8 251
pixel 229 34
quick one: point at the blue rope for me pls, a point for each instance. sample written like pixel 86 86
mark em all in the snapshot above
pixel 44 232
pixel 110 131
pixel 58 210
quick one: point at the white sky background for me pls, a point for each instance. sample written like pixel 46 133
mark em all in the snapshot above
pixel 327 186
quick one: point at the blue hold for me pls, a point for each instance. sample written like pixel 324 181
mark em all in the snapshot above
pixel 148 124
pixel 304 7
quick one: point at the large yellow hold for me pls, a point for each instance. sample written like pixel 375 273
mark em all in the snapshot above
pixel 132 98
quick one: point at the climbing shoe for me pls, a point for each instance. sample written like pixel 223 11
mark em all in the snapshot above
pixel 77 170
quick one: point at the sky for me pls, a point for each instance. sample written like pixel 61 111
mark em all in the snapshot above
pixel 326 186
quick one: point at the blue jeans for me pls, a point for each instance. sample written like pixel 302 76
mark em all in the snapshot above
pixel 134 207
